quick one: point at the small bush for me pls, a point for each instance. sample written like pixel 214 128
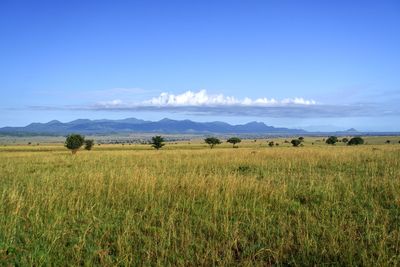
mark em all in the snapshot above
pixel 89 144
pixel 271 144
pixel 295 142
pixel 331 140
pixel 355 141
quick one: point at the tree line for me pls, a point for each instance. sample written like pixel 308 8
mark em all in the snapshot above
pixel 75 141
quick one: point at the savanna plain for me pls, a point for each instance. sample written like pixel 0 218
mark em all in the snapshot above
pixel 188 205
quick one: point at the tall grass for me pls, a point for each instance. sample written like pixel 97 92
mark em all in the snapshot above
pixel 248 206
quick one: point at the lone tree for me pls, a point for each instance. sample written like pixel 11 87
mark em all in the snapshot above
pixel 345 140
pixel 73 142
pixel 212 141
pixel 355 141
pixel 234 141
pixel 387 141
pixel 331 140
pixel 157 142
pixel 89 144
pixel 296 142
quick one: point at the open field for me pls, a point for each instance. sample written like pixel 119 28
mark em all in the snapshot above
pixel 190 205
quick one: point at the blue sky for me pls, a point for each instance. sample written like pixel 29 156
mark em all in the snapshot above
pixel 314 64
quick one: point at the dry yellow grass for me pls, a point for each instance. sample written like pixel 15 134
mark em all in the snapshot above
pixel 188 205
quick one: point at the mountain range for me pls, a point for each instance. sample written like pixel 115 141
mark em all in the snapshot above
pixel 133 125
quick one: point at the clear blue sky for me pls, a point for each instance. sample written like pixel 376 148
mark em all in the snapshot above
pixel 107 59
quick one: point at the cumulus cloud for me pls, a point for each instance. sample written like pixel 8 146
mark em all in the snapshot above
pixel 201 103
pixel 202 98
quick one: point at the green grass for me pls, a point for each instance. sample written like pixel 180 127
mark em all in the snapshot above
pixel 188 205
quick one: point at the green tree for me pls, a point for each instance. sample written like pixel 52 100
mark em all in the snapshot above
pixel 387 141
pixel 89 144
pixel 271 144
pixel 157 142
pixel 234 140
pixel 212 141
pixel 355 141
pixel 345 140
pixel 296 142
pixel 301 138
pixel 331 140
pixel 73 142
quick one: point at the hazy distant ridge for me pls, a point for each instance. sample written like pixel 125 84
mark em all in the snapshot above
pixel 134 125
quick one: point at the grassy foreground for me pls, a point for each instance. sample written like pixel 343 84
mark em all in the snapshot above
pixel 247 206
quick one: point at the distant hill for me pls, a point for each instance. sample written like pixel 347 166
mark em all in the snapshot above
pixel 133 125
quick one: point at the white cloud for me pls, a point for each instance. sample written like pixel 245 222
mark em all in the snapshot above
pixel 111 104
pixel 190 98
pixel 202 98
pixel 298 101
pixel 201 103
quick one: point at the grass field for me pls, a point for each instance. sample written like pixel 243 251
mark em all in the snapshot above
pixel 188 205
